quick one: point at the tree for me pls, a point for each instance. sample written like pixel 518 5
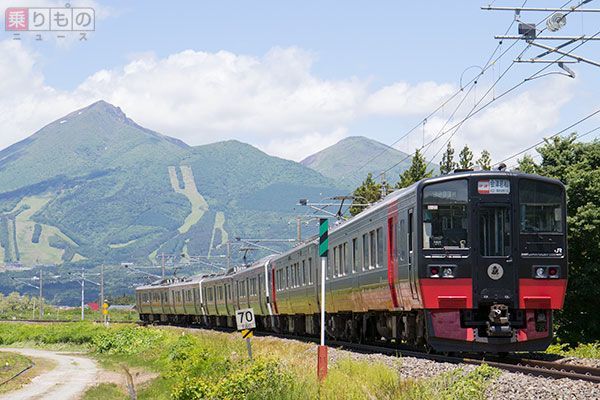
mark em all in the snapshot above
pixel 485 161
pixel 416 171
pixel 447 164
pixel 465 160
pixel 527 165
pixel 368 192
pixel 577 165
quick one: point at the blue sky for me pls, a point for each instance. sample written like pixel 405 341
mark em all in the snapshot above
pixel 292 77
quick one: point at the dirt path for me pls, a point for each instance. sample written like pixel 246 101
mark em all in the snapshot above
pixel 68 380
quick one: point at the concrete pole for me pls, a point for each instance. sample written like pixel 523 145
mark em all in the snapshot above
pixel 228 255
pixel 82 293
pixel 102 290
pixel 41 294
pixel 163 264
pixel 323 272
pixel 299 229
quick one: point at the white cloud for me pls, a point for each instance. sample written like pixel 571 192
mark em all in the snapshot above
pixel 275 101
pixel 299 147
pixel 402 98
pixel 510 125
pixel 200 96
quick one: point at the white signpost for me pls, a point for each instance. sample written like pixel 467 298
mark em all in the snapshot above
pixel 244 319
pixel 246 323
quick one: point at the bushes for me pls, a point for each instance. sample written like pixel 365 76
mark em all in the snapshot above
pixel 258 380
pixel 129 340
pixel 73 333
pixel 214 366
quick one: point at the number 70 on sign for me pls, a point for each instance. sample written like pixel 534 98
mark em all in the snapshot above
pixel 244 319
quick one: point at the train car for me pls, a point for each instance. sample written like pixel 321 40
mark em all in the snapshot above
pixel 470 261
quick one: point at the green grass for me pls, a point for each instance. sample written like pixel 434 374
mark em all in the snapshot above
pixel 211 365
pixel 105 391
pixel 583 350
pixel 11 364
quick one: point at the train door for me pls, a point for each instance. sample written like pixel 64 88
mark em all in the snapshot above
pixel 495 278
pixel 412 270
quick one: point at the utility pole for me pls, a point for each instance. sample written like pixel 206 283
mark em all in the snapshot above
pixel 299 228
pixel 41 294
pixel 101 285
pixel 163 264
pixel 228 255
pixel 323 250
pixel 82 293
pixel 383 185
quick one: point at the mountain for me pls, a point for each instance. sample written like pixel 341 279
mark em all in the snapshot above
pixel 350 160
pixel 94 186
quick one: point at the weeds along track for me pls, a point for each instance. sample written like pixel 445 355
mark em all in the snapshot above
pixel 546 369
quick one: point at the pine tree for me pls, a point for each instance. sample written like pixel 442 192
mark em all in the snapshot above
pixel 416 171
pixel 368 192
pixel 485 161
pixel 447 164
pixel 465 160
pixel 528 165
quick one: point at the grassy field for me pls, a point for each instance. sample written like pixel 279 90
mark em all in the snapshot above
pixel 211 365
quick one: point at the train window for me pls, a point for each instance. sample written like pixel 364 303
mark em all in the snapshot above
pixel 494 231
pixel 287 277
pixel 303 274
pixel 540 207
pixel 445 218
pixel 297 271
pixel 355 255
pixel 379 247
pixel 372 250
pixel 345 259
pixel 336 261
pixel 310 271
pixel 365 248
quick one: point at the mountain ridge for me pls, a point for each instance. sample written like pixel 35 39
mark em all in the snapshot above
pixel 96 186
pixel 352 158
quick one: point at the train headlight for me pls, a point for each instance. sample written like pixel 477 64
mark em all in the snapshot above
pixel 447 272
pixel 540 272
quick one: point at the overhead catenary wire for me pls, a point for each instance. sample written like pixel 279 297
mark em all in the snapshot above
pixel 477 110
pixel 554 135
pixel 489 64
pixel 534 156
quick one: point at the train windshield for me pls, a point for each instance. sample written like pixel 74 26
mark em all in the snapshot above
pixel 540 206
pixel 445 217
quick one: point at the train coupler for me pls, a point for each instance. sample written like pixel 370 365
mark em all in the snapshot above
pixel 498 324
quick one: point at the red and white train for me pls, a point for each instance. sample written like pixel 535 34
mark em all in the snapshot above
pixel 471 261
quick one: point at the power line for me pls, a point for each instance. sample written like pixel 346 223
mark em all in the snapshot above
pixel 470 84
pixel 554 135
pixel 577 136
pixel 476 111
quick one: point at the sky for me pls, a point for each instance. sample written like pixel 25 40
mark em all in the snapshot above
pixel 293 77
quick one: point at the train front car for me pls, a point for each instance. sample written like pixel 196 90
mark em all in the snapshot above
pixel 492 260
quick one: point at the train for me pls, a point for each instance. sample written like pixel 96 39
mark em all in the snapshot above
pixel 472 261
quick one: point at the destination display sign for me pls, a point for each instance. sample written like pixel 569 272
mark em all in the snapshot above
pixel 493 186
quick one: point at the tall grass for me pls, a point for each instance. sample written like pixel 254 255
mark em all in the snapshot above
pixel 210 365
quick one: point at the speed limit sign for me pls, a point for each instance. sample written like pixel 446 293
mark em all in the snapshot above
pixel 245 319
